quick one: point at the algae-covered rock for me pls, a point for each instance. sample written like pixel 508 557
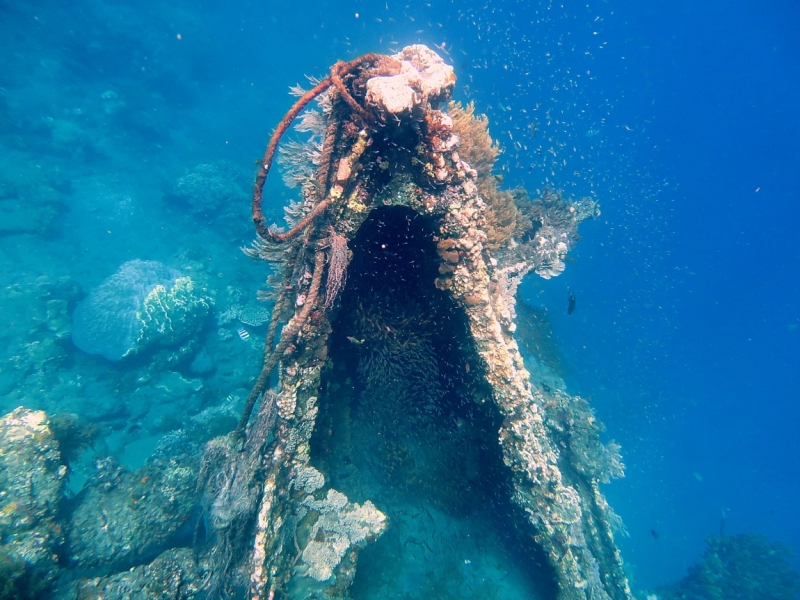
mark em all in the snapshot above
pixel 32 482
pixel 144 304
pixel 123 522
pixel 174 575
pixel 163 402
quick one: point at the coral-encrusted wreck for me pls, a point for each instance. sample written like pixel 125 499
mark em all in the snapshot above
pixel 395 290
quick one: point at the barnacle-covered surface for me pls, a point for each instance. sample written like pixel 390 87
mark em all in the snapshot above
pixel 396 384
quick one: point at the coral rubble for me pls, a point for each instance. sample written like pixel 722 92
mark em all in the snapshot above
pixel 398 196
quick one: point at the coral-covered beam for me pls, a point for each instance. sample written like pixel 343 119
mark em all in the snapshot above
pixel 287 337
pixel 337 71
pixel 301 225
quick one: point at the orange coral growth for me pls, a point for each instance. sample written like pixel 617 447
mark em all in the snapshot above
pixel 477 146
pixel 479 150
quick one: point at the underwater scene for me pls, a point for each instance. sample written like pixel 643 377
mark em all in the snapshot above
pixel 399 300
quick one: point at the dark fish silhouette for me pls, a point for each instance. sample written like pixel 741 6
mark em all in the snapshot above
pixel 571 305
pixel 654 533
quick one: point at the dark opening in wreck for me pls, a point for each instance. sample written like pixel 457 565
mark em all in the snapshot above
pixel 407 421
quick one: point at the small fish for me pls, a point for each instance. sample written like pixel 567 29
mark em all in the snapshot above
pixel 592 132
pixel 355 341
pixel 654 533
pixel 243 334
pixel 571 305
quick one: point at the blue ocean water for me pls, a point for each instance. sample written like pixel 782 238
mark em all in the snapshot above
pixel 681 119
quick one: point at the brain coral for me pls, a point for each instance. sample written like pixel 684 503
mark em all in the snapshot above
pixel 142 304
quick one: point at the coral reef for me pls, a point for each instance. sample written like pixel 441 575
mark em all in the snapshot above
pixel 573 420
pixel 253 313
pixel 143 304
pixel 169 316
pixel 738 567
pixel 391 323
pixel 32 479
pixel 539 232
pixel 119 522
pixel 477 148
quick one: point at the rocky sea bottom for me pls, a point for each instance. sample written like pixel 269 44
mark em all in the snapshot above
pixel 101 461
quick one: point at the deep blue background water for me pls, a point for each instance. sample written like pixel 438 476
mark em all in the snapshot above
pixel 681 118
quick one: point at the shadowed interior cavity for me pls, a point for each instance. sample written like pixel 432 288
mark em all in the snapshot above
pixel 407 421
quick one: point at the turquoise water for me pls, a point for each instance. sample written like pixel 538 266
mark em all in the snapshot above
pixel 128 131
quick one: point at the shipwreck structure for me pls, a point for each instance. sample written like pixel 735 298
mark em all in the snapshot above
pixel 391 359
